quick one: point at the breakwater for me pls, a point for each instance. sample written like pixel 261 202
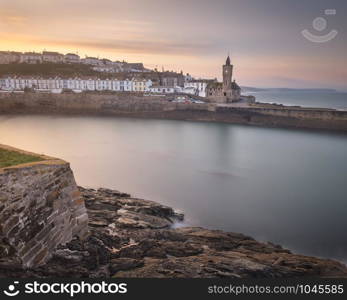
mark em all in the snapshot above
pixel 140 106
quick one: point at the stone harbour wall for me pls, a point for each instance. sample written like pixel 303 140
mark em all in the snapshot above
pixel 40 208
pixel 91 103
pixel 288 117
pixel 140 106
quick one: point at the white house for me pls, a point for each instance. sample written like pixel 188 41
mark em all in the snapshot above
pixel 199 85
pixel 31 58
pixel 89 84
pixel 7 57
pixel 188 77
pixel 141 85
pixel 53 57
pixel 190 90
pixel 126 85
pixel 106 69
pixel 161 89
pixel 92 61
pixel 78 84
pixel 72 58
pixel 106 61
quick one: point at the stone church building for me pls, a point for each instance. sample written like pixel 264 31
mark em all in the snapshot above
pixel 226 91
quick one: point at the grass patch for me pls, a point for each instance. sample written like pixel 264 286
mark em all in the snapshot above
pixel 65 71
pixel 12 158
pixel 47 70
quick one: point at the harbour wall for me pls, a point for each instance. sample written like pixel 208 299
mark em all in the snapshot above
pixel 140 106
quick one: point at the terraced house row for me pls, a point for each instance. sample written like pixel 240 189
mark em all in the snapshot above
pixel 98 64
pixel 78 85
pixel 58 84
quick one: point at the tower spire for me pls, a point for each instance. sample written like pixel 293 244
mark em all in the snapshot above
pixel 227 76
pixel 228 60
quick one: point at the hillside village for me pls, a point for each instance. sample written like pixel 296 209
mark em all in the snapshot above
pixel 98 64
pixel 53 72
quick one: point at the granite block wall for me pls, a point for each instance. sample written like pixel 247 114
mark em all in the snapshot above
pixel 40 208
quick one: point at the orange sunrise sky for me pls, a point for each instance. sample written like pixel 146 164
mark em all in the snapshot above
pixel 263 37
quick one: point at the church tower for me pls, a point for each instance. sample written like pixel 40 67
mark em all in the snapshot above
pixel 227 76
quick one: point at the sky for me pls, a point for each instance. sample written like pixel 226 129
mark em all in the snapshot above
pixel 263 37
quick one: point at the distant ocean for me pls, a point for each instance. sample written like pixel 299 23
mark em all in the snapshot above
pixel 326 99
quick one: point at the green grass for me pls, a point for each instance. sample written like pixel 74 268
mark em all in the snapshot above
pixel 65 71
pixel 11 158
pixel 47 70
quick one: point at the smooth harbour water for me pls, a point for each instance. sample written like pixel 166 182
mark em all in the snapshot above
pixel 284 186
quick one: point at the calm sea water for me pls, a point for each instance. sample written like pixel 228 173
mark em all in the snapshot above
pixel 284 186
pixel 337 100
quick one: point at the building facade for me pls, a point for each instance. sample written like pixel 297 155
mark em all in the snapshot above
pixel 9 57
pixel 92 61
pixel 171 79
pixel 161 89
pixel 226 91
pixel 101 65
pixel 30 58
pixel 199 86
pixel 52 57
pixel 72 58
pixel 74 84
pixel 141 85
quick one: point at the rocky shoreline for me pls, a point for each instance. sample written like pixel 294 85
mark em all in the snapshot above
pixel 132 237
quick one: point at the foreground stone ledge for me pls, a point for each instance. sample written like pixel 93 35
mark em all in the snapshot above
pixel 134 238
pixel 40 208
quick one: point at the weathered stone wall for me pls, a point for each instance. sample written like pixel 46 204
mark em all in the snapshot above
pixel 284 117
pixel 111 103
pixel 135 105
pixel 40 207
pixel 291 112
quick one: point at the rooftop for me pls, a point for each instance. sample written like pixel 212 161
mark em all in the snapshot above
pixel 203 80
pixel 51 53
pixel 214 84
pixel 235 86
pixel 31 53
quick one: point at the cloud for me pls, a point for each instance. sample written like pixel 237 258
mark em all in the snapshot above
pixel 146 46
pixel 195 35
pixel 125 45
pixel 14 20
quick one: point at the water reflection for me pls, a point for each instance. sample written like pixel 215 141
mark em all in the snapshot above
pixel 278 185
